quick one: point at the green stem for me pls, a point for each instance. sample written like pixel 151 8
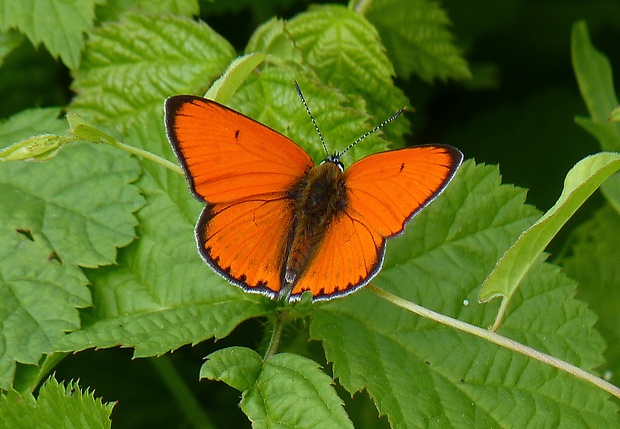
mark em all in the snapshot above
pixel 181 393
pixel 148 155
pixel 276 334
pixel 51 361
pixel 497 339
pixel 499 318
pixel 28 377
pixel 360 6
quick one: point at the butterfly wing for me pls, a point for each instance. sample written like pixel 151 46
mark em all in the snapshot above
pixel 350 254
pixel 227 156
pixel 243 170
pixel 387 189
pixel 245 242
pixel 384 191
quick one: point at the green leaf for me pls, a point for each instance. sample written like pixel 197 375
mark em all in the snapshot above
pixel 417 39
pixel 605 134
pixel 175 7
pixel 345 51
pixel 421 374
pixel 18 130
pixel 54 216
pixel 56 406
pixel 594 264
pixel 273 38
pixel 59 25
pixel 583 179
pixel 615 115
pixel 39 297
pixel 595 79
pixel 31 122
pixel 334 38
pixel 239 367
pixel 224 88
pixel 287 390
pixel 81 208
pixel 83 130
pixel 161 295
pixel 130 67
pixel 611 190
pixel 113 10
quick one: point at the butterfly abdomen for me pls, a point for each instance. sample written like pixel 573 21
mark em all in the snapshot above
pixel 318 199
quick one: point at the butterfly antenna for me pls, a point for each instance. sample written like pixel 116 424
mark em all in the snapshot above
pixel 382 124
pixel 316 127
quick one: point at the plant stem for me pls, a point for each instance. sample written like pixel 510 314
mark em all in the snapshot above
pixel 181 393
pixel 501 312
pixel 496 339
pixel 360 6
pixel 275 336
pixel 51 361
pixel 150 156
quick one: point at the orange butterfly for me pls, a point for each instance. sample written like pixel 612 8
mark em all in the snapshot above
pixel 277 224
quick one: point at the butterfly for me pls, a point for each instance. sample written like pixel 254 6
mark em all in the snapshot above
pixel 277 224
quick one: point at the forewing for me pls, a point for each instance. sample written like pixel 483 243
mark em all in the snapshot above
pixel 245 242
pixel 227 156
pixel 386 189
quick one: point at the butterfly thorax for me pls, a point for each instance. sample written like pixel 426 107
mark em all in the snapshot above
pixel 318 199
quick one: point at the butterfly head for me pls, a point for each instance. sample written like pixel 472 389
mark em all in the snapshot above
pixel 335 159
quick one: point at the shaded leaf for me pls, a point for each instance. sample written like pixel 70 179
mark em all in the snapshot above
pixel 59 25
pixel 417 39
pixel 8 41
pixel 239 367
pixel 596 85
pixel 287 391
pixel 594 264
pixel 176 7
pixel 112 10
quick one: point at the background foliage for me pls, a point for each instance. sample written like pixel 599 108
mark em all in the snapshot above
pixel 97 250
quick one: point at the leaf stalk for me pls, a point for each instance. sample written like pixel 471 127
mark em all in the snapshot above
pixel 495 338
